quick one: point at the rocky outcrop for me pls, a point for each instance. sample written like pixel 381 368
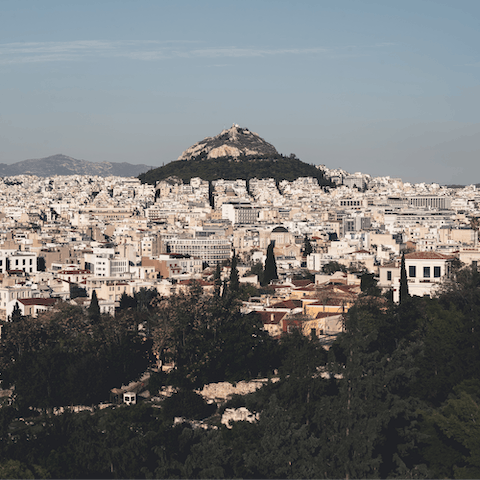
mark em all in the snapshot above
pixel 233 142
pixel 241 414
pixel 222 391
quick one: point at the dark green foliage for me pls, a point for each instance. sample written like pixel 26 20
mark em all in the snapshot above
pixel 234 283
pixel 210 340
pixel 270 269
pixel 217 280
pixel 304 275
pixel 257 269
pixel 127 302
pixel 94 308
pixel 452 443
pixel 16 313
pixel 332 267
pixel 368 285
pixel 187 404
pixel 156 381
pixel 66 357
pixel 145 299
pixel 397 395
pixel 76 291
pixel 275 166
pixel 403 281
pixel 307 246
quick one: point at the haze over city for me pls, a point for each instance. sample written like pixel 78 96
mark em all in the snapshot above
pixel 385 88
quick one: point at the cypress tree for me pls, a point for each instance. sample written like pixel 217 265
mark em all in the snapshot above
pixel 403 281
pixel 234 281
pixel 94 308
pixel 270 270
pixel 217 279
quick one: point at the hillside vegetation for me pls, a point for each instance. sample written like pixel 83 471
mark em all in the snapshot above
pixel 277 166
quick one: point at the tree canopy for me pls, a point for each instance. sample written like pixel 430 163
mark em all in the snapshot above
pixel 278 167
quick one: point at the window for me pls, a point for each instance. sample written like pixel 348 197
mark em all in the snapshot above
pixel 412 271
pixel 436 272
pixel 426 272
pixel 389 275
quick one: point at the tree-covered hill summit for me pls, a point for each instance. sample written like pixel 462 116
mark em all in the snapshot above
pixel 236 153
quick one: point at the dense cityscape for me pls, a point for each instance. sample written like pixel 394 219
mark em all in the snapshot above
pixel 181 297
pixel 209 299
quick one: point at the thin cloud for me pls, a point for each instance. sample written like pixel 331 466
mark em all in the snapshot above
pixel 253 52
pixel 150 50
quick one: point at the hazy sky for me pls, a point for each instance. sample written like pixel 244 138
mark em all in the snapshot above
pixel 382 87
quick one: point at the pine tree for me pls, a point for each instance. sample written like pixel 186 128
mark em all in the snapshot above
pixel 270 270
pixel 403 281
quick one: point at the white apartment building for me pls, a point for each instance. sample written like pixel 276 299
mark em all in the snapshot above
pixel 239 213
pixel 425 272
pixel 106 265
pixel 15 260
pixel 212 250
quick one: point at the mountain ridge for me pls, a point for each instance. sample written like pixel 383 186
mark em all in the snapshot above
pixel 61 164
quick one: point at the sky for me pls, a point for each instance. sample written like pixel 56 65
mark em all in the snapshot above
pixel 378 87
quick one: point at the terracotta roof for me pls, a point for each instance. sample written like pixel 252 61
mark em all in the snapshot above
pixel 287 304
pixel 202 283
pixel 302 283
pixel 327 314
pixel 266 317
pixel 311 288
pixel 427 256
pixel 48 302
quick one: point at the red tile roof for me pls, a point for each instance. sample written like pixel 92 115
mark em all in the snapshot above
pixel 427 256
pixel 48 302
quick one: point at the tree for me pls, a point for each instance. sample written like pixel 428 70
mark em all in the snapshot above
pixel 369 429
pixel 307 246
pixel 270 270
pixel 94 308
pixel 368 285
pixel 403 281
pixel 234 280
pixel 458 420
pixel 16 313
pixel 126 302
pixel 217 280
pixel 332 267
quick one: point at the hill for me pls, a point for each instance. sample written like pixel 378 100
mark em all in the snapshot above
pixel 234 142
pixel 64 165
pixel 277 166
pixel 236 153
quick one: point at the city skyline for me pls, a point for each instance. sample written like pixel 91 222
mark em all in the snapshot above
pixel 385 89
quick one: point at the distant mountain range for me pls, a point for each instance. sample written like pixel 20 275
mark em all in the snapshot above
pixel 63 165
pixel 236 153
